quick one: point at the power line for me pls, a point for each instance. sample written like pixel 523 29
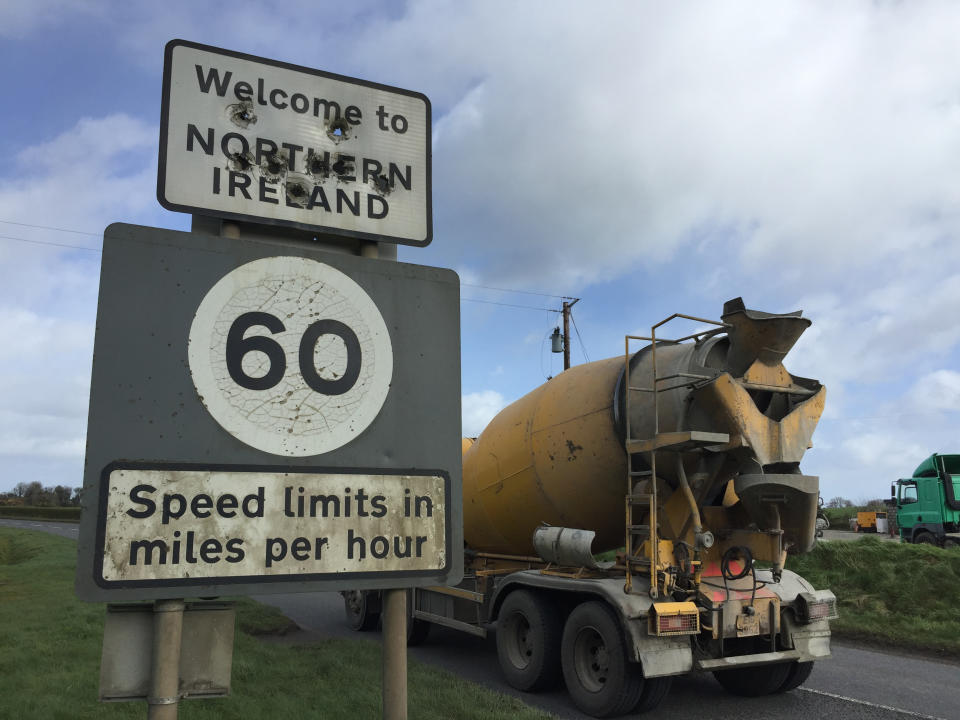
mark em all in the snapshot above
pixel 90 249
pixel 583 347
pixel 47 242
pixel 525 307
pixel 47 227
pixel 99 234
pixel 522 292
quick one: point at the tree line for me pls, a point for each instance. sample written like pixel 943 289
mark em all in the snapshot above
pixel 36 495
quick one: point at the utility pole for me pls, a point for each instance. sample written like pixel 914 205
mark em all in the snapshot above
pixel 566 331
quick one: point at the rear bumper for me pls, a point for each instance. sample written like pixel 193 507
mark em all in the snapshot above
pixel 740 661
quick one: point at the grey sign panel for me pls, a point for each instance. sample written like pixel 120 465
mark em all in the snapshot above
pixel 206 651
pixel 247 138
pixel 268 418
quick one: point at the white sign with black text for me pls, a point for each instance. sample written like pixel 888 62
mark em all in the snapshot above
pixel 290 356
pixel 167 524
pixel 249 138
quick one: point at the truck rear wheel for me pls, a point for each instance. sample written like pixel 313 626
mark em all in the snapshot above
pixel 528 641
pixel 654 691
pixel 600 679
pixel 754 681
pixel 798 675
pixel 362 612
pixel 417 630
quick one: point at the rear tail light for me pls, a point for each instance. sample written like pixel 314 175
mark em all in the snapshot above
pixel 820 605
pixel 674 618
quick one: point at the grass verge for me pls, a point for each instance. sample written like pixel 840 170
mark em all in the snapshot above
pixel 890 592
pixel 50 665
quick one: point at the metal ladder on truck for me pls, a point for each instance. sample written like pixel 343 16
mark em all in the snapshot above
pixel 640 503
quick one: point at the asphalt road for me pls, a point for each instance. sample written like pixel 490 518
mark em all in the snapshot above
pixel 849 535
pixel 67 530
pixel 856 683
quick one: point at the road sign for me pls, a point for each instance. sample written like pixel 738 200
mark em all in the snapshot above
pixel 268 418
pixel 247 138
pixel 309 311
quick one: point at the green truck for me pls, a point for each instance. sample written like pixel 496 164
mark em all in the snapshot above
pixel 928 504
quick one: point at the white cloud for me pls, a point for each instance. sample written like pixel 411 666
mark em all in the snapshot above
pixel 45 386
pixel 881 449
pixel 580 144
pixel 938 390
pixel 800 154
pixel 91 144
pixel 41 337
pixel 478 409
pixel 787 127
pixel 40 435
pixel 98 171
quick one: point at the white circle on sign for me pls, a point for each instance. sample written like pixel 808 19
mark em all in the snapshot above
pixel 290 356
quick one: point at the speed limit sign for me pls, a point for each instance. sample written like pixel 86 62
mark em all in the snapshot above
pixel 269 417
pixel 290 356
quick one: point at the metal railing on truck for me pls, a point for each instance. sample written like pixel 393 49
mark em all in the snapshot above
pixel 677 441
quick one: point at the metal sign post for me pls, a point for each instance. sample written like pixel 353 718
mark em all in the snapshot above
pixel 394 672
pixel 165 676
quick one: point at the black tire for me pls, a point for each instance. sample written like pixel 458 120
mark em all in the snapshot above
pixel 600 679
pixel 925 538
pixel 799 672
pixel 362 611
pixel 653 693
pixel 417 630
pixel 529 630
pixel 951 543
pixel 754 681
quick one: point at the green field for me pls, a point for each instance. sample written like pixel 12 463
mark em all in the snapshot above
pixel 50 664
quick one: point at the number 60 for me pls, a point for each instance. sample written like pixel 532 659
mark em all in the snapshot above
pixel 238 346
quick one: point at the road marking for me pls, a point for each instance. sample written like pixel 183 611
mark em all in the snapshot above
pixel 909 713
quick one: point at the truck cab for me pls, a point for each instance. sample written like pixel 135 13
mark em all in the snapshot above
pixel 928 504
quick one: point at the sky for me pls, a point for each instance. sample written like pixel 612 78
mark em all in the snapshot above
pixel 647 158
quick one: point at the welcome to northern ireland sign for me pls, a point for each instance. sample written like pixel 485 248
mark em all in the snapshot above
pixel 253 139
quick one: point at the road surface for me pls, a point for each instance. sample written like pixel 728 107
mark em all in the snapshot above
pixel 856 683
pixel 63 529
pixel 849 535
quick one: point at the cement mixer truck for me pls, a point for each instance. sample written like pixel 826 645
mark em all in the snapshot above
pixel 681 460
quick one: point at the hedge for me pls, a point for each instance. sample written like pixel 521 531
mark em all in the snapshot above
pixel 64 514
